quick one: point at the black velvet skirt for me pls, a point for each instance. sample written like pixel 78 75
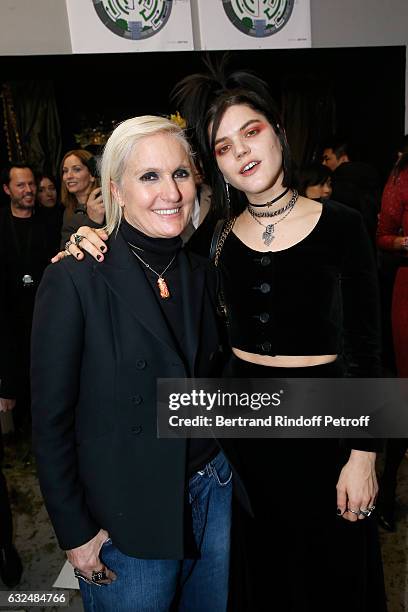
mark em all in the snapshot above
pixel 296 554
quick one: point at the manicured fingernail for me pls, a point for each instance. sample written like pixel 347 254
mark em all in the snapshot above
pixel 78 255
pixel 339 512
pixel 99 257
pixel 103 248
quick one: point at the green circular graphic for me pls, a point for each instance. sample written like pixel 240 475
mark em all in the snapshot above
pixel 134 19
pixel 259 18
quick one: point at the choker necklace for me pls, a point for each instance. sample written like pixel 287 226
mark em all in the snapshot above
pixel 268 234
pixel 272 213
pixel 161 283
pixel 279 197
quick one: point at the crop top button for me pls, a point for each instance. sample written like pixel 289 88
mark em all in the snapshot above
pixel 265 260
pixel 265 287
pixel 264 317
pixel 266 346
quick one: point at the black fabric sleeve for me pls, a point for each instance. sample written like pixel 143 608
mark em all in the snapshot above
pixel 361 314
pixel 57 344
pixel 361 304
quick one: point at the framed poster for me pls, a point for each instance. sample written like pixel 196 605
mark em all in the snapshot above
pixel 254 24
pixel 119 26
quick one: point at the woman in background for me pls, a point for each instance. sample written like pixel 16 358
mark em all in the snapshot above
pixel 50 210
pixel 315 182
pixel 392 236
pixel 80 193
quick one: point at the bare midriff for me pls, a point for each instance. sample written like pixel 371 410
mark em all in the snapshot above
pixel 284 361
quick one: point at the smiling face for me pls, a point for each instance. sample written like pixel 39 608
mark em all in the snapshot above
pixel 21 189
pixel 77 178
pixel 249 154
pixel 157 189
pixel 47 193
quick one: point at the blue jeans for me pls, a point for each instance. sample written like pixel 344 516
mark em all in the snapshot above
pixel 190 585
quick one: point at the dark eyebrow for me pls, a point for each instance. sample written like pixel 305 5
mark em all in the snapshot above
pixel 241 129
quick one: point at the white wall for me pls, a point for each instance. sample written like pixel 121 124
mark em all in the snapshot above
pixel 361 23
pixel 34 27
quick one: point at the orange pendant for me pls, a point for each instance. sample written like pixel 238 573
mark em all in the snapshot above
pixel 163 288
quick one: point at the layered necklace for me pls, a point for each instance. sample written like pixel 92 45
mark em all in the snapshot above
pixel 161 283
pixel 269 229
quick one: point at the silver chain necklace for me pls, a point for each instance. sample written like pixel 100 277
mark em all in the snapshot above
pixel 273 213
pixel 161 283
pixel 268 234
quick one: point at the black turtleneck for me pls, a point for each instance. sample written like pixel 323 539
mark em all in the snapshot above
pixel 158 253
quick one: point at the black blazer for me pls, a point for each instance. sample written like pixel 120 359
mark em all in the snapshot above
pixel 99 343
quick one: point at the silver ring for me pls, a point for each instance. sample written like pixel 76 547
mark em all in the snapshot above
pixel 77 239
pixel 66 247
pixel 98 576
pixel 365 512
pixel 356 512
pixel 78 574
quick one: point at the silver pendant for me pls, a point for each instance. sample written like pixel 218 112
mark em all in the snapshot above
pixel 268 236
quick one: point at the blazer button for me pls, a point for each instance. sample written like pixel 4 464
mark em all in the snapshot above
pixel 141 364
pixel 265 260
pixel 137 399
pixel 266 346
pixel 264 317
pixel 265 287
pixel 136 430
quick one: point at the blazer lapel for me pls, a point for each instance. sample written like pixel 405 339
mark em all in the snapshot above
pixel 192 289
pixel 128 282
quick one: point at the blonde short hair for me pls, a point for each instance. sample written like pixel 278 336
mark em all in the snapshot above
pixel 119 147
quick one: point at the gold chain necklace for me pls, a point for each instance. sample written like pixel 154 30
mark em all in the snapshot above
pixel 161 283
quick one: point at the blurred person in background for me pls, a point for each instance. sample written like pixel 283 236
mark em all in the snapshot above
pixel 80 193
pixel 355 183
pixel 49 208
pixel 315 182
pixel 392 237
pixel 26 248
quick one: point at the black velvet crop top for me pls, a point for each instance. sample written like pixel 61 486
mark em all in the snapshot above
pixel 318 297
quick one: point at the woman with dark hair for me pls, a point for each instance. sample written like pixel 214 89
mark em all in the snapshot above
pixel 48 206
pixel 315 182
pixel 46 190
pixel 281 258
pixel 80 193
pixel 392 236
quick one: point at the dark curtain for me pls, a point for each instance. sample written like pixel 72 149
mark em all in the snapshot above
pixel 309 115
pixel 38 124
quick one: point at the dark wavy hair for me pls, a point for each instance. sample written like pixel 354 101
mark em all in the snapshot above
pixel 203 100
pixel 314 174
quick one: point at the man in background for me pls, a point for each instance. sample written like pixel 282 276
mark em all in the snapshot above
pixel 24 253
pixel 355 183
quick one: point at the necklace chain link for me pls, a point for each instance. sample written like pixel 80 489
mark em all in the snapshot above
pixel 268 234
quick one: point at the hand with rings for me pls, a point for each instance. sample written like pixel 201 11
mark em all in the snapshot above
pixel 87 563
pixel 84 239
pixel 357 487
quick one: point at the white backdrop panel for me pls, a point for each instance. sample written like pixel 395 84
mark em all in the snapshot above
pixel 254 24
pixel 119 26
